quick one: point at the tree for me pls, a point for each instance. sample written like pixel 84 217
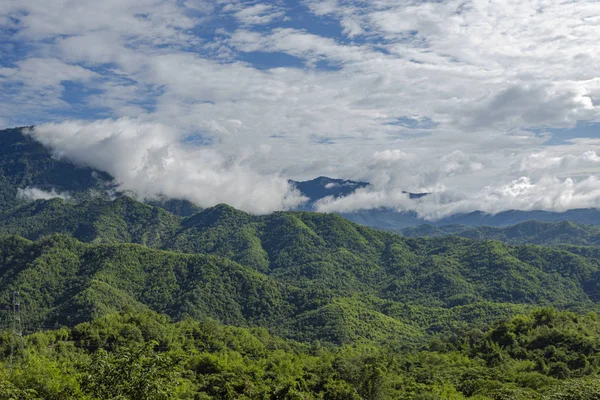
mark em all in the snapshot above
pixel 132 374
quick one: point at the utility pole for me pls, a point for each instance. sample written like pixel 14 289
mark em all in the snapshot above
pixel 17 330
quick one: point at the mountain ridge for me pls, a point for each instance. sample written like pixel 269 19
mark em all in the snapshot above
pixel 317 265
pixel 528 232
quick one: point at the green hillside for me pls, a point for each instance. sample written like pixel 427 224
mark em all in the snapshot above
pixel 96 221
pixel 303 275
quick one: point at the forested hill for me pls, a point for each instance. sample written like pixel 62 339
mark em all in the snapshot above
pixel 304 275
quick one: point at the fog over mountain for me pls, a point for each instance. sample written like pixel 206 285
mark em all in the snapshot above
pixel 488 106
pixel 323 191
pixel 148 160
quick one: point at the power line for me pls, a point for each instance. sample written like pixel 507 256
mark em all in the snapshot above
pixel 17 330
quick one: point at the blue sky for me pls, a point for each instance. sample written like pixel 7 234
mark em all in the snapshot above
pixel 491 105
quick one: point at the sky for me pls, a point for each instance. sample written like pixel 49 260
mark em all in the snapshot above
pixel 489 105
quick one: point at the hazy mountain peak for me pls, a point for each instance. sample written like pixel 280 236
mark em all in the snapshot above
pixel 322 186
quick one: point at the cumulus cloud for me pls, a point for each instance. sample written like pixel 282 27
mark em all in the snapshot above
pixel 33 193
pixel 531 106
pixel 391 155
pixel 258 14
pixel 147 158
pixel 545 161
pixel 555 178
pixel 548 193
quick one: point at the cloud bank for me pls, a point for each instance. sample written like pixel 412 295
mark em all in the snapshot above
pixel 148 160
pixel 550 194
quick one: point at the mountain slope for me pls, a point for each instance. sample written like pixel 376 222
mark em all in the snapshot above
pixel 304 275
pixel 123 220
pixel 295 246
pixel 321 187
pixel 61 274
pixel 26 163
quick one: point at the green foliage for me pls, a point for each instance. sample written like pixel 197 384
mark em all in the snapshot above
pixel 144 356
pixel 303 275
pixel 136 374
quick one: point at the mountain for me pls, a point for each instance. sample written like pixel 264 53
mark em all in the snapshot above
pixel 323 186
pixel 304 275
pixel 26 163
pixel 589 216
pixel 389 219
pixel 399 220
pixel 123 220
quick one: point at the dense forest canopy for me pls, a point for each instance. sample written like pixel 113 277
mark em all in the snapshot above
pixel 539 355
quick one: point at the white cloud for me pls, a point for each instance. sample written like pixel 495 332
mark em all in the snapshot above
pixel 351 27
pixel 547 193
pixel 391 155
pixel 531 106
pixel 48 72
pixel 34 87
pixel 152 21
pixel 322 7
pixel 33 193
pixel 147 159
pixel 298 43
pixel 258 14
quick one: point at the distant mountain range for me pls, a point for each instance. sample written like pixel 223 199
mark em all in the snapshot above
pixel 389 219
pixel 528 232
